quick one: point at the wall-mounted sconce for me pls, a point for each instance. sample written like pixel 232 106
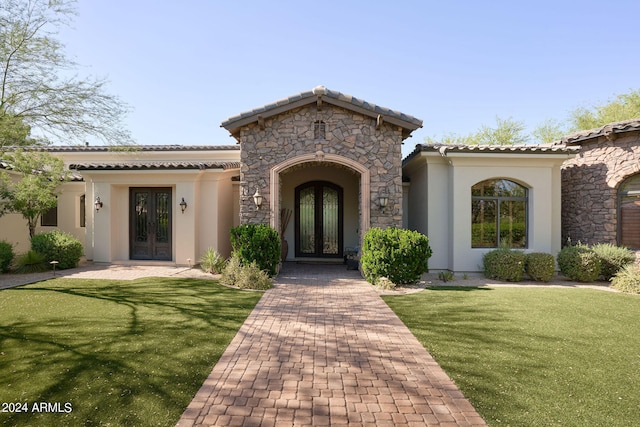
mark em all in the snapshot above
pixel 183 205
pixel 257 199
pixel 98 204
pixel 383 201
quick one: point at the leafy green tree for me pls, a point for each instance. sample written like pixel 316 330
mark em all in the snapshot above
pixel 39 90
pixel 623 107
pixel 33 188
pixel 506 132
pixel 549 131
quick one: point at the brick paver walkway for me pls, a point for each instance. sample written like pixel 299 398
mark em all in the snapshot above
pixel 322 348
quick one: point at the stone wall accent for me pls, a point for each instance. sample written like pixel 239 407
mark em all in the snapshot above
pixel 348 134
pixel 590 183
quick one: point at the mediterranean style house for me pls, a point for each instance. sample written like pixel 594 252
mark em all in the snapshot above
pixel 333 164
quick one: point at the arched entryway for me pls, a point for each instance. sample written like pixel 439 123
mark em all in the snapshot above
pixel 321 178
pixel 319 211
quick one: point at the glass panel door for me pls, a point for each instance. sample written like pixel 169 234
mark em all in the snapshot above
pixel 150 224
pixel 319 220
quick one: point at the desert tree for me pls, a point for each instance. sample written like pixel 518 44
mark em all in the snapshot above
pixel 42 98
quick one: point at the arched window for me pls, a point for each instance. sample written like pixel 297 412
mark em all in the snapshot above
pixel 629 212
pixel 498 214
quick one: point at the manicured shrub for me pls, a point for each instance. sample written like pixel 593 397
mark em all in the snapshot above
pixel 58 246
pixel 31 262
pixel 6 256
pixel 399 255
pixel 612 258
pixel 540 266
pixel 627 279
pixel 212 262
pixel 245 276
pixel 251 277
pixel 257 243
pixel 579 263
pixel 504 264
pixel 385 284
pixel 230 271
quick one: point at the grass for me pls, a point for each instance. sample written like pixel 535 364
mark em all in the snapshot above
pixel 119 352
pixel 534 356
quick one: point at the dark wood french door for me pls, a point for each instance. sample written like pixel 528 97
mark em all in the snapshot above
pixel 150 223
pixel 318 220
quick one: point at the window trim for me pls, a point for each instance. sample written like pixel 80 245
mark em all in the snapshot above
pixel 49 215
pixel 497 200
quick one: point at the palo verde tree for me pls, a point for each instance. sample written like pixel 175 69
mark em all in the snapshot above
pixel 624 106
pixel 40 93
pixel 506 132
pixel 32 188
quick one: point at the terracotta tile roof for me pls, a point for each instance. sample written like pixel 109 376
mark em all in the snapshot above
pixel 102 148
pixel 232 124
pixel 201 165
pixel 443 149
pixel 8 166
pixel 606 131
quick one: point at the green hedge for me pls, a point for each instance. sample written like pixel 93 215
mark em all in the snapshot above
pixel 579 263
pixel 504 264
pixel 58 246
pixel 397 254
pixel 540 266
pixel 257 243
pixel 6 256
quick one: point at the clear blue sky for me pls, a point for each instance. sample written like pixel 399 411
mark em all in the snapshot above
pixel 186 66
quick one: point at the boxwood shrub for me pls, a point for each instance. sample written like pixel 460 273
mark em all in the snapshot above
pixel 257 243
pixel 6 256
pixel 627 279
pixel 579 263
pixel 58 246
pixel 397 254
pixel 540 266
pixel 612 258
pixel 504 264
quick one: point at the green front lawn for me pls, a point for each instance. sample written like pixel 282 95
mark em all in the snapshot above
pixel 534 356
pixel 112 352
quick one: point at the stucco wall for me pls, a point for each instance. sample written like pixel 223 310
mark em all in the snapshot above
pixel 347 134
pixel 440 202
pixel 590 183
pixel 14 229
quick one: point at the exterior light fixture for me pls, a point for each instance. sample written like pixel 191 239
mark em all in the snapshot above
pixel 98 204
pixel 183 205
pixel 257 199
pixel 383 201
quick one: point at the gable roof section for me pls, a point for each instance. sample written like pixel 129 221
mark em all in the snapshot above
pixel 321 95
pixel 608 131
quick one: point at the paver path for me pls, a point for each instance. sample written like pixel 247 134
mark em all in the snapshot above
pixel 322 348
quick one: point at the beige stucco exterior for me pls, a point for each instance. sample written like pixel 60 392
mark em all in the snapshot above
pixel 315 136
pixel 439 200
pixel 203 177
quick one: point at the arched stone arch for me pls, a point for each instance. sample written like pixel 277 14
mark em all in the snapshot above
pixel 330 159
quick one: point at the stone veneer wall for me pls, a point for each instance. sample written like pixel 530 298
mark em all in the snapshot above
pixel 347 134
pixel 590 184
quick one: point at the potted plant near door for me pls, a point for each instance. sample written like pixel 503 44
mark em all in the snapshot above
pixel 285 216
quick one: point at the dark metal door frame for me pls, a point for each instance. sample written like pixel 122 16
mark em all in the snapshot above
pixel 319 244
pixel 150 223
